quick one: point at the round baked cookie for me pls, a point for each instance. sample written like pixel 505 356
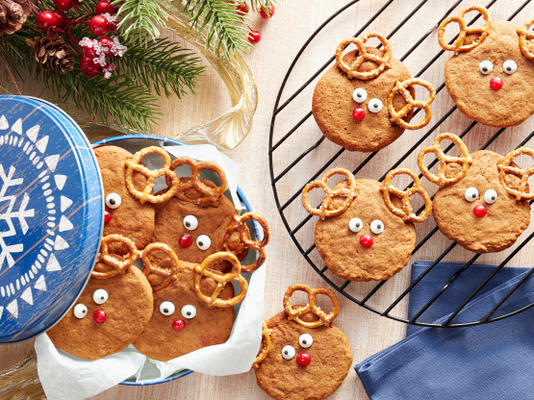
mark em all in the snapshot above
pixel 125 214
pixel 107 317
pixel 502 218
pixel 492 82
pixel 282 374
pixel 181 322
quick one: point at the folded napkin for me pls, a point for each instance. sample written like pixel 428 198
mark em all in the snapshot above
pixel 484 362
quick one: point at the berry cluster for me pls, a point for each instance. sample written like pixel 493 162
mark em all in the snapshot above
pixel 94 51
pixel 242 8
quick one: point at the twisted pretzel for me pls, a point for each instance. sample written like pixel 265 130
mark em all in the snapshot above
pixel 458 45
pixel 134 164
pixel 405 211
pixel 209 191
pixel 363 55
pixel 118 263
pixel 153 267
pixel 464 160
pixel 295 313
pixel 525 34
pixel 203 270
pixel 505 167
pixel 325 209
pixel 266 345
pixel 239 225
pixel 402 87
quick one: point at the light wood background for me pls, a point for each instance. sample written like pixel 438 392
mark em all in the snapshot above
pixel 282 37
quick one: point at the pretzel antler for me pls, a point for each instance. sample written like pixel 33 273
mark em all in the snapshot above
pixel 325 209
pixel 295 313
pixel 154 264
pixel 525 36
pixel 406 210
pixel 239 225
pixel 464 160
pixel 134 165
pixel 459 45
pixel 507 167
pixel 402 87
pixel 266 345
pixel 203 270
pixel 363 55
pixel 118 264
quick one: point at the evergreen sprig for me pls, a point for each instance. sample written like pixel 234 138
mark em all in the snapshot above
pixel 140 19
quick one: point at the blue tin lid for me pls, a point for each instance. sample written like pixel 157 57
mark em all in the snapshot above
pixel 51 215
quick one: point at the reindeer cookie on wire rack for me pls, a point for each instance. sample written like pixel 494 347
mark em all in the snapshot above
pixel 366 228
pixel 366 101
pixel 114 307
pixel 490 75
pixel 482 200
pixel 303 354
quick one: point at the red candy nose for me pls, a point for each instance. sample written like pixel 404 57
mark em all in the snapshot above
pixel 99 316
pixel 496 83
pixel 185 240
pixel 480 210
pixel 303 359
pixel 358 113
pixel 178 324
pixel 107 217
pixel 366 241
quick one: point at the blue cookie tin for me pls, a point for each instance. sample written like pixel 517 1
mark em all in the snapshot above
pixel 51 215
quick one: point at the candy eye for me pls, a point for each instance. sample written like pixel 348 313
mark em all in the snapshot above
pixel 485 67
pixel 490 196
pixel 355 225
pixel 288 352
pixel 305 340
pixel 191 222
pixel 375 105
pixel 471 194
pixel 113 200
pixel 189 311
pixel 203 242
pixel 80 310
pixel 167 308
pixel 359 95
pixel 509 66
pixel 100 296
pixel 377 227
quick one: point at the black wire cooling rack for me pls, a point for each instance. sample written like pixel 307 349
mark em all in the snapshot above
pixel 375 296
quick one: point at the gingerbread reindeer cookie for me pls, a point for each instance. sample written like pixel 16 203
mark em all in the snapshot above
pixel 114 307
pixel 366 228
pixel 304 356
pixel 366 101
pixel 482 200
pixel 490 75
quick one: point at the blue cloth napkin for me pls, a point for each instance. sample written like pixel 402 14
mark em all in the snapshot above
pixel 486 362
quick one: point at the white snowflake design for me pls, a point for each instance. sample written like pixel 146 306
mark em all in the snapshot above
pixel 8 215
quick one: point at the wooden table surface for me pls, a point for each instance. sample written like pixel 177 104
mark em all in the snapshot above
pixel 282 37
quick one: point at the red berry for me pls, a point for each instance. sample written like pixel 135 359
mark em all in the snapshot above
pixel 303 359
pixel 480 210
pixel 178 324
pixel 47 20
pixel 88 52
pixel 366 241
pixel 358 114
pixel 103 7
pixel 89 67
pixel 242 7
pixel 185 240
pixel 267 13
pixel 107 217
pixel 63 5
pixel 99 316
pixel 61 18
pixel 496 83
pixel 254 36
pixel 107 43
pixel 98 25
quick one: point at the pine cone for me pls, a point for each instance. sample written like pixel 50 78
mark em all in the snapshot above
pixel 53 54
pixel 13 14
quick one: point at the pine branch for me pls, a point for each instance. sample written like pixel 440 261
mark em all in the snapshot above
pixel 140 19
pixel 258 5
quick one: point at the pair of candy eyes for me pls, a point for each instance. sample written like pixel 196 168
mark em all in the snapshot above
pixel 486 66
pixel 305 341
pixel 360 95
pixel 376 226
pixel 100 296
pixel 471 194
pixel 191 223
pixel 168 308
